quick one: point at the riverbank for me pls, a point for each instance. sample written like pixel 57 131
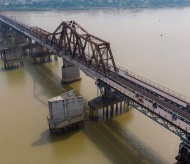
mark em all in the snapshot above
pixel 57 7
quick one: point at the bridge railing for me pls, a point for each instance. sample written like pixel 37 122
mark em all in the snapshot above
pixel 20 23
pixel 16 23
pixel 132 74
pixel 107 81
pixel 156 85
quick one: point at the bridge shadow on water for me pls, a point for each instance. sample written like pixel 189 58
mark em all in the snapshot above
pixel 45 82
pixel 114 141
pixel 46 137
pixel 2 69
pixel 119 144
pixel 12 76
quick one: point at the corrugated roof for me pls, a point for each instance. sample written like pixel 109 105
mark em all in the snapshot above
pixel 64 96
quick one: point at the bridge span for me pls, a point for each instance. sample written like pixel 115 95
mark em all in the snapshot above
pixel 94 57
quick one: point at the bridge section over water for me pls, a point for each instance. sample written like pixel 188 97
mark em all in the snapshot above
pixel 94 57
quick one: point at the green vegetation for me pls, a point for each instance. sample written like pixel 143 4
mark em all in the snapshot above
pixel 86 4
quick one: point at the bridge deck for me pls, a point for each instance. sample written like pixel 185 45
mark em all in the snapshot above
pixel 99 103
pixel 168 102
pixel 147 102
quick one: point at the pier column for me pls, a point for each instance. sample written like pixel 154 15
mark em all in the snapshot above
pixel 116 107
pixel 29 40
pixel 19 39
pixel 55 57
pixel 120 106
pixel 70 73
pixel 112 107
pixel 12 57
pixel 184 153
pixel 106 111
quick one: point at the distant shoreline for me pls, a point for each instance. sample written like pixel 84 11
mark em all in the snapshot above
pixel 88 8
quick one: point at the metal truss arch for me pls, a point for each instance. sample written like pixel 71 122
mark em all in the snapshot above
pixel 75 41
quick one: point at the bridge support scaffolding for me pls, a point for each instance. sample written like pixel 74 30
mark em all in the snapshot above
pixel 108 102
pixel 95 53
pixel 38 53
pixel 41 57
pixel 70 73
pixel 107 105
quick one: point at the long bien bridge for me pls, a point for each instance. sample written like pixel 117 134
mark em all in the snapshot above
pixel 81 50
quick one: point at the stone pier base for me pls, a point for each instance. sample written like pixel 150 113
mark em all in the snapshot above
pixel 70 73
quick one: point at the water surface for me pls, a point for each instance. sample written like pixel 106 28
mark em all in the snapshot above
pixel 151 42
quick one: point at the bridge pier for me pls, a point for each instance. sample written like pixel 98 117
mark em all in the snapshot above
pixel 55 57
pixel 10 45
pixel 120 107
pixel 5 42
pixel 8 35
pixel 26 48
pixel 19 39
pixel 108 107
pixel 70 73
pixel 116 108
pixel 16 38
pixel 107 101
pixel 12 57
pixel 38 53
pixel 184 152
pixel 96 54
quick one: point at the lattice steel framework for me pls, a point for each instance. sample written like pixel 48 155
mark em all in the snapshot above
pixel 183 134
pixel 75 41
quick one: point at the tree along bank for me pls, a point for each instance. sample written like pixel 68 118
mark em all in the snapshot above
pixel 85 4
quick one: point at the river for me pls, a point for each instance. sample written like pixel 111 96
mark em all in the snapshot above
pixel 151 42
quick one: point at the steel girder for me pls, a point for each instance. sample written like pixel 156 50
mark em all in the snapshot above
pixel 76 42
pixel 184 136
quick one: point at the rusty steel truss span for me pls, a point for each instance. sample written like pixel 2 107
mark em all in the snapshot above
pixel 93 56
pixel 75 41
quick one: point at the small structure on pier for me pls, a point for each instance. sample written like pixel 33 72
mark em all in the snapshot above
pixel 38 53
pixel 106 104
pixel 41 57
pixel 12 57
pixel 65 112
pixel 108 101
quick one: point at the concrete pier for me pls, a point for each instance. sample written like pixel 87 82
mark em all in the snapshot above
pixel 12 57
pixel 19 39
pixel 184 153
pixel 108 105
pixel 66 112
pixel 38 53
pixel 70 73
pixel 10 47
pixel 41 57
pixel 16 38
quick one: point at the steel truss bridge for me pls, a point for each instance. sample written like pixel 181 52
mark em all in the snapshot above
pixel 94 57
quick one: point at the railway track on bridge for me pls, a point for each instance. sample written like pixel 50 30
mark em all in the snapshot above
pixel 160 100
pixel 152 97
pixel 148 94
pixel 70 45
